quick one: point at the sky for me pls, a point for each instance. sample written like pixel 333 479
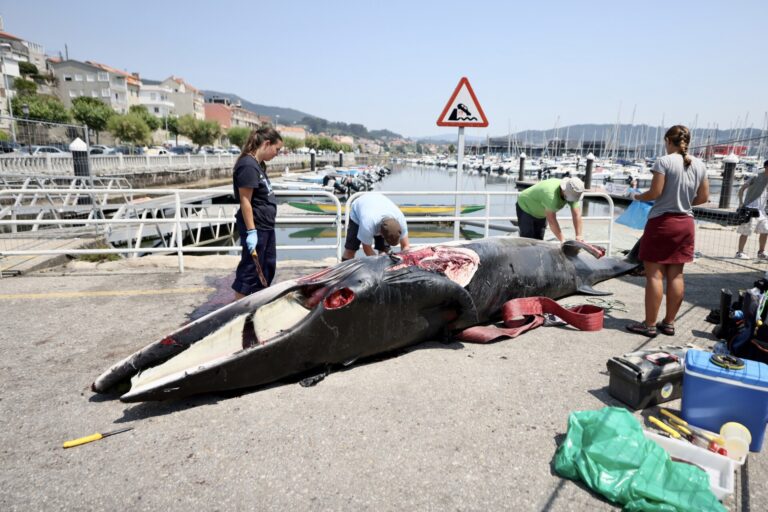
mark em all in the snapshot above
pixel 393 64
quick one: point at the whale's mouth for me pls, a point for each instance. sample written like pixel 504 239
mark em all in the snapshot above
pixel 458 264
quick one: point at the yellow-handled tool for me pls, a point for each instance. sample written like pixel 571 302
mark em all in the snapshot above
pixel 674 418
pixel 666 428
pixel 684 427
pixel 94 437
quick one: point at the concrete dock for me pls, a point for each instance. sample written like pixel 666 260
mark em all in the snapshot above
pixel 438 427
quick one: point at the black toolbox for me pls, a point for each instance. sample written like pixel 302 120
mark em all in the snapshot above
pixel 647 377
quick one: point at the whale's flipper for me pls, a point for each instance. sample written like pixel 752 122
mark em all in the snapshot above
pixel 588 290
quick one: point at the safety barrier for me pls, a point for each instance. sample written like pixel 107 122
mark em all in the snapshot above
pixel 184 221
pixel 487 218
pixel 14 163
pixel 188 221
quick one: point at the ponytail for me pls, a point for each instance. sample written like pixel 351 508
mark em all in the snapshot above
pixel 258 137
pixel 680 137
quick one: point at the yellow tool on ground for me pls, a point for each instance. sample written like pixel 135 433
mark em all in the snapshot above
pixel 674 418
pixel 666 428
pixel 687 429
pixel 94 437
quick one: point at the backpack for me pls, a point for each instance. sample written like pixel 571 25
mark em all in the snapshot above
pixel 748 338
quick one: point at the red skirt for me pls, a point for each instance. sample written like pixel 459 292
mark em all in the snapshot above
pixel 668 239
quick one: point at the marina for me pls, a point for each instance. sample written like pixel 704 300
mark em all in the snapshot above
pixel 550 312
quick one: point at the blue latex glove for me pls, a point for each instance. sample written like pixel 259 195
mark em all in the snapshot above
pixel 251 239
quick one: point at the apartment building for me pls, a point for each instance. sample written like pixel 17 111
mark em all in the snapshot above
pixel 118 89
pixel 294 132
pixel 186 99
pixel 20 50
pixel 228 114
pixel 157 98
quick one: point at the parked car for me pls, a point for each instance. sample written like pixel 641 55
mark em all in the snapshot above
pixel 181 150
pixel 103 150
pixel 44 150
pixel 234 150
pixel 156 150
pixel 7 146
pixel 129 150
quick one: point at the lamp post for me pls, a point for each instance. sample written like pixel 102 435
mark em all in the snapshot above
pixel 5 47
pixel 25 111
pixel 277 122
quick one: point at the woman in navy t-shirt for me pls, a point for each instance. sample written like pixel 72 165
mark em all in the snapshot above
pixel 256 216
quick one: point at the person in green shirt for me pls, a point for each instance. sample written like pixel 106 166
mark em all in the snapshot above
pixel 539 204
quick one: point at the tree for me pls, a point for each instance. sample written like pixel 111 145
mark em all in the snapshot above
pixel 238 135
pixel 312 142
pixel 204 132
pixel 92 112
pixel 326 144
pixel 292 143
pixel 129 128
pixel 186 124
pixel 451 149
pixel 28 69
pixel 171 124
pixel 151 121
pixel 25 87
pixel 41 108
pixel 4 137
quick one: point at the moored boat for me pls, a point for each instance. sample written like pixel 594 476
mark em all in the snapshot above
pixel 407 209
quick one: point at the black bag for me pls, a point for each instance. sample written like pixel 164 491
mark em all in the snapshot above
pixel 744 214
pixel 750 337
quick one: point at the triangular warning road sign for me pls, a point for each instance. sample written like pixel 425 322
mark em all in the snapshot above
pixel 463 109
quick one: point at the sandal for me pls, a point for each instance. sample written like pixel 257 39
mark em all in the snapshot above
pixel 642 328
pixel 665 328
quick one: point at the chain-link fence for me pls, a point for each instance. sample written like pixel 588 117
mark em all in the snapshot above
pixel 32 137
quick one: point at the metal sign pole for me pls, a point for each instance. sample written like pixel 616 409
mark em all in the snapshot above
pixel 459 167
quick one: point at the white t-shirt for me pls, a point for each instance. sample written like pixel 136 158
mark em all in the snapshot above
pixel 370 210
pixel 759 203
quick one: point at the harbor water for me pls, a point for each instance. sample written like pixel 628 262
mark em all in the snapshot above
pixel 409 178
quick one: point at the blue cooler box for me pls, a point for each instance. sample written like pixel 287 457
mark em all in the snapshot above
pixel 713 395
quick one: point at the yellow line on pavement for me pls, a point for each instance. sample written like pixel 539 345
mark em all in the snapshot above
pixel 108 293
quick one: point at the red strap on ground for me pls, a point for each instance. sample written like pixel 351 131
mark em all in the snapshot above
pixel 585 317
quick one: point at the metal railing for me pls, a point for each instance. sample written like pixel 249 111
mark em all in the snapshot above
pixel 180 225
pixel 188 221
pixel 13 163
pixel 487 218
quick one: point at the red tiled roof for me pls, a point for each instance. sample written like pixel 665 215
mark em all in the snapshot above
pixel 181 81
pixel 129 78
pixel 6 35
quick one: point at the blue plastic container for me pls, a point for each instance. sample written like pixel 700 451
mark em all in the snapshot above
pixel 713 395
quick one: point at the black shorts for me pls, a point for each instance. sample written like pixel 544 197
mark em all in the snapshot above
pixel 530 226
pixel 352 243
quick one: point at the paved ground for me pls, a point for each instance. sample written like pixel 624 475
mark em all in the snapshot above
pixel 440 427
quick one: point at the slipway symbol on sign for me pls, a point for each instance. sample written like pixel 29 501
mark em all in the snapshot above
pixel 463 109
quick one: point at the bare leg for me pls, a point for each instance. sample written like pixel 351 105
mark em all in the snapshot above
pixel 654 291
pixel 762 240
pixel 742 242
pixel 238 295
pixel 675 291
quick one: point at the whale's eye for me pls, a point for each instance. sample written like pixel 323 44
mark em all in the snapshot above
pixel 339 298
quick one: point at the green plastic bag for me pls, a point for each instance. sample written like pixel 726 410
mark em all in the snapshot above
pixel 607 450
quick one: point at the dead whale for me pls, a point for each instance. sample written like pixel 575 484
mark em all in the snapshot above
pixel 355 309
